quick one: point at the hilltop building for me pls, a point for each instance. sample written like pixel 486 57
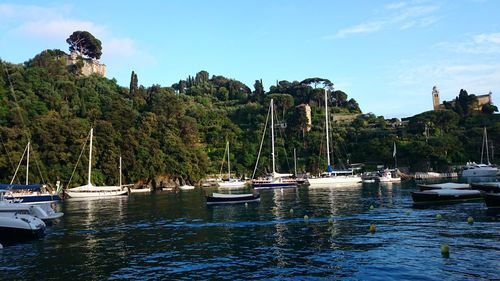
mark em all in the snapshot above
pixel 481 100
pixel 86 67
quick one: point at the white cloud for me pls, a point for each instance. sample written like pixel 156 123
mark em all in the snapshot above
pixel 55 24
pixel 486 43
pixel 400 15
pixel 59 28
pixel 361 28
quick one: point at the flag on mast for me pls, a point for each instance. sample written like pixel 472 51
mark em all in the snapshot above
pixel 394 151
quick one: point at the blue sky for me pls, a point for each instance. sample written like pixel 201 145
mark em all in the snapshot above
pixel 385 54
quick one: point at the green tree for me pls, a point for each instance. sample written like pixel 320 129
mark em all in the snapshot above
pixel 85 44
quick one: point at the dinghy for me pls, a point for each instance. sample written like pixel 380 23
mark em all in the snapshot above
pixel 446 185
pixel 444 196
pixel 222 198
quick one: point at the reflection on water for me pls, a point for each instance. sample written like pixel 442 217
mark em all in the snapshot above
pixel 175 236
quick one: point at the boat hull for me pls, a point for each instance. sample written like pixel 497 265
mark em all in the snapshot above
pixel 20 228
pixel 492 200
pixel 487 186
pixel 211 200
pixel 28 199
pixel 232 185
pixel 343 180
pixel 273 185
pixel 480 172
pixel 95 194
pixel 427 197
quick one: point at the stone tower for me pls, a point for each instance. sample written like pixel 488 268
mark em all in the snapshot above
pixel 435 98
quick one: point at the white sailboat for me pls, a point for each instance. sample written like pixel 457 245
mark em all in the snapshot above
pixel 231 183
pixel 274 180
pixel 89 190
pixel 472 169
pixel 331 176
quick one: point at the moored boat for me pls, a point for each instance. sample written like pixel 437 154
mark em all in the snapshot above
pixel 444 196
pixel 491 199
pixel 16 227
pixel 487 186
pixel 89 190
pixel 446 185
pixel 186 187
pixel 222 198
pixel 41 211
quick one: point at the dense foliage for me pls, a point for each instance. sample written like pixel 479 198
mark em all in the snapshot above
pixel 180 131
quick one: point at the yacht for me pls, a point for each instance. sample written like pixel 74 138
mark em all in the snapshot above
pixel 472 169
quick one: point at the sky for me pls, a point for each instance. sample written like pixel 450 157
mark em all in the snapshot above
pixel 385 54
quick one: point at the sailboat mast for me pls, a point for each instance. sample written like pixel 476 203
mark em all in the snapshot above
pixel 295 160
pixel 90 155
pixel 272 136
pixel 228 161
pixel 485 144
pixel 326 125
pixel 28 164
pixel 120 172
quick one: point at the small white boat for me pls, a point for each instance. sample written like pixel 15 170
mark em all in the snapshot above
pixel 387 176
pixel 186 187
pixel 140 190
pixel 16 227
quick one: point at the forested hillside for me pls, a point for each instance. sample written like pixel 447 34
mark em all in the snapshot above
pixel 180 131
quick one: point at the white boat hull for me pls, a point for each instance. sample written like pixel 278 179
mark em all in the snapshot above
pixel 232 184
pixel 334 180
pixel 95 191
pixel 480 172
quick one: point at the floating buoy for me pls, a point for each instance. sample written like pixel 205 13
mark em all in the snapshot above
pixel 291 211
pixel 306 218
pixel 275 209
pixel 438 216
pixel 408 213
pixel 445 250
pixel 470 220
pixel 371 207
pixel 246 204
pixel 330 221
pixel 373 228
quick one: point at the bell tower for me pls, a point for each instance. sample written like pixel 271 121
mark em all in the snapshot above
pixel 435 98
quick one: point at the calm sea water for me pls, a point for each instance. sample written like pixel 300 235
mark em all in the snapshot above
pixel 176 236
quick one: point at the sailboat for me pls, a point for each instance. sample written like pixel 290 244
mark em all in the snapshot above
pixel 389 175
pixel 472 169
pixel 27 193
pixel 90 190
pixel 274 180
pixel 231 183
pixel 331 176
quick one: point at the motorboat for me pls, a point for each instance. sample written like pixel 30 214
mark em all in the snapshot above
pixel 444 196
pixel 186 187
pixel 223 198
pixel 29 194
pixel 15 227
pixel 387 176
pixel 446 185
pixel 41 211
pixel 472 169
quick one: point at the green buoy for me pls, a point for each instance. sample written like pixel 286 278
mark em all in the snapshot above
pixel 373 228
pixel 470 220
pixel 438 216
pixel 445 250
